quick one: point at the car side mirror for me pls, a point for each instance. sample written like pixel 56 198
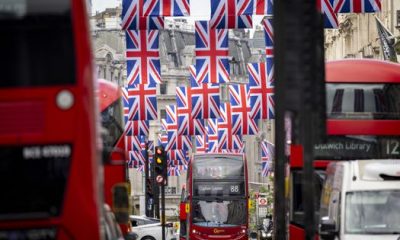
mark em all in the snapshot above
pixel 327 229
pixel 169 225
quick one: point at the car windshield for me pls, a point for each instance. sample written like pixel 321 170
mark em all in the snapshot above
pixel 219 213
pixel 373 212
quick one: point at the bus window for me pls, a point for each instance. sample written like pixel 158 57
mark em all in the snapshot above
pixel 112 124
pixel 36 42
pixel 226 168
pixel 297 208
pixel 363 101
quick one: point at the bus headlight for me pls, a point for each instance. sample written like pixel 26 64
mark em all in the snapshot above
pixel 244 231
pixel 65 99
pixel 194 231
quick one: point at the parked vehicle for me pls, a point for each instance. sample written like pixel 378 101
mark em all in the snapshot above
pixel 266 229
pixel 150 228
pixel 361 200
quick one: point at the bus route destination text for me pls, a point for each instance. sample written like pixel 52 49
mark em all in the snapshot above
pixel 228 189
pixel 47 151
pixel 345 146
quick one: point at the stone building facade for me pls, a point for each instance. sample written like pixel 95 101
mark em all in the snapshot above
pixel 357 36
pixel 177 45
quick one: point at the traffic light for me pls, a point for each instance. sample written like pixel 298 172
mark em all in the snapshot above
pixel 160 166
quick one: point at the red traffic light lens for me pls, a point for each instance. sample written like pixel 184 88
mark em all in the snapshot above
pixel 159 151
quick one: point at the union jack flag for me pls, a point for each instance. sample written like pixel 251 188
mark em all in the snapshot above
pixel 137 159
pixel 261 91
pixel 142 102
pixel 330 17
pixel 267 156
pixel 133 17
pixel 242 123
pixel 125 100
pixel 226 138
pixel 238 145
pixel 231 14
pixel 269 41
pixel 201 144
pixel 177 157
pixel 167 8
pixel 182 168
pixel 173 172
pixel 175 141
pixel 205 98
pixel 172 8
pixel 131 160
pixel 212 63
pixel 150 147
pixel 212 128
pixel 263 7
pixel 142 57
pixel 163 138
pixel 186 124
pixel 140 127
pixel 133 143
pixel 357 6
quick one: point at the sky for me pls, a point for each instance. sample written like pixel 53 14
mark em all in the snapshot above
pixel 199 9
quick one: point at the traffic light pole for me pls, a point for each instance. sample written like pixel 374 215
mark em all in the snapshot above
pixel 163 211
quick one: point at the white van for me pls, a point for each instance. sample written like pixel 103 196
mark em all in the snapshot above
pixel 361 200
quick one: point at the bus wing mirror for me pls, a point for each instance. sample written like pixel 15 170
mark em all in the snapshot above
pixel 121 203
pixel 327 229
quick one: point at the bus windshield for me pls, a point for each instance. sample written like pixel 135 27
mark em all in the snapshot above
pixel 373 212
pixel 218 213
pixel 36 42
pixel 363 101
pixel 42 172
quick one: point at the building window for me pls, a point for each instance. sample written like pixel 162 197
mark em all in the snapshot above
pixel 398 19
pixel 163 88
pixel 170 190
pixel 163 114
pixel 224 92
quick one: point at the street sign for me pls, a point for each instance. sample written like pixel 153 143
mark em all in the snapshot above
pixel 262 201
pixel 159 179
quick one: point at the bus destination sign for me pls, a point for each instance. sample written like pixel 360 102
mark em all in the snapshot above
pixel 358 147
pixel 223 189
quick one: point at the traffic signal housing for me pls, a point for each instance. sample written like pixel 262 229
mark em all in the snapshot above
pixel 160 165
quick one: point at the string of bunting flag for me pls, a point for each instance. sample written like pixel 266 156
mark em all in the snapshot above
pixel 215 126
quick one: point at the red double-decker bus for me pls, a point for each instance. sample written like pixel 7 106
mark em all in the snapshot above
pixel 49 136
pixel 217 197
pixel 363 122
pixel 114 154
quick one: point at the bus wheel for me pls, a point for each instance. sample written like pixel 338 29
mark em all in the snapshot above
pixel 148 238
